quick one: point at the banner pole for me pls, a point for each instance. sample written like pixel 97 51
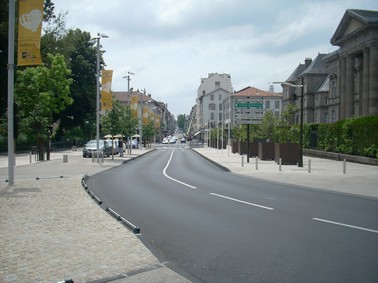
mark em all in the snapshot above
pixel 11 92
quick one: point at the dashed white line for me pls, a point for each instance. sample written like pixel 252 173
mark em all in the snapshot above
pixel 173 179
pixel 242 201
pixel 345 225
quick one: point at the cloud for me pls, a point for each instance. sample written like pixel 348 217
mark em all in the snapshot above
pixel 171 44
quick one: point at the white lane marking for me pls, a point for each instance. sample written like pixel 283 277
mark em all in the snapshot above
pixel 165 174
pixel 241 201
pixel 345 225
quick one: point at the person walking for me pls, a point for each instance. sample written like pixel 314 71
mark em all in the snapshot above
pixel 74 144
pixel 120 147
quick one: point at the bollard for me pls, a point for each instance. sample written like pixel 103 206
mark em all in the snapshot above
pixel 102 157
pixel 93 157
pixel 65 158
pixel 30 157
pixel 344 166
pixel 309 166
pixel 280 164
pixel 257 163
pixel 242 160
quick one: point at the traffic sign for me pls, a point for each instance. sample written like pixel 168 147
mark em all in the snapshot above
pixel 248 110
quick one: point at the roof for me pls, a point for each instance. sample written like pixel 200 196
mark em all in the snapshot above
pixel 324 87
pixel 352 21
pixel 252 91
pixel 124 96
pixel 317 66
pixel 294 76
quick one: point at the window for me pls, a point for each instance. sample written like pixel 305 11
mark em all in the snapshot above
pixel 211 106
pixel 212 116
pixel 333 116
pixel 333 88
pixel 267 104
pixel 219 96
pixel 220 106
pixel 211 96
pixel 277 104
pixel 217 84
pixel 220 117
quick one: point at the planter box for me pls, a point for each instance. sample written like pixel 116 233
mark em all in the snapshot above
pixel 253 149
pixel 288 152
pixel 266 151
pixel 242 147
pixel 234 146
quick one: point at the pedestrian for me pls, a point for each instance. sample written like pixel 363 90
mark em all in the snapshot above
pixel 74 144
pixel 120 147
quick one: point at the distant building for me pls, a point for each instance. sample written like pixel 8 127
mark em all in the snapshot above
pixel 272 101
pixel 210 95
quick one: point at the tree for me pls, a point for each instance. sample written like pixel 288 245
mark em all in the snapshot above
pixel 41 92
pixel 181 121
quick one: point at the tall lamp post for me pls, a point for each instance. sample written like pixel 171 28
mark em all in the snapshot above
pixel 97 38
pixel 128 102
pixel 300 161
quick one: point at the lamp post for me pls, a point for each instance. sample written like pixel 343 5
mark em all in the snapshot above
pixel 97 38
pixel 128 80
pixel 300 161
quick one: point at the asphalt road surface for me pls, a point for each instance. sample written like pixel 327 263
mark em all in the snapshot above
pixel 214 226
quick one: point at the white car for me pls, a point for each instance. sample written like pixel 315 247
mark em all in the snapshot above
pixel 165 141
pixel 173 140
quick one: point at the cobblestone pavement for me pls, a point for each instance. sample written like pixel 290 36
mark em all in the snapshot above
pixel 52 230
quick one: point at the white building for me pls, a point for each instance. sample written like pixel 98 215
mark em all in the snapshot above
pixel 210 96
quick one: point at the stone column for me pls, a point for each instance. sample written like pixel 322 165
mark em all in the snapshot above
pixel 342 87
pixel 349 73
pixel 364 97
pixel 373 81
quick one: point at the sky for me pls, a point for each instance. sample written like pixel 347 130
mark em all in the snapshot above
pixel 171 44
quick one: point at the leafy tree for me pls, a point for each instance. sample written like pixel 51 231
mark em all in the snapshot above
pixel 181 121
pixel 41 92
pixel 148 132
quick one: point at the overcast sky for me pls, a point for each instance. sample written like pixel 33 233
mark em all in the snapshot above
pixel 171 44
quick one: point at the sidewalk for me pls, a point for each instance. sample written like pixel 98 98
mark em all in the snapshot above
pixel 326 174
pixel 52 230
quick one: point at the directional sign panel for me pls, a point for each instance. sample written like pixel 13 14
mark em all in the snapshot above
pixel 248 110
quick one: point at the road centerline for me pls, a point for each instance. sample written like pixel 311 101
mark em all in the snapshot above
pixel 173 179
pixel 242 201
pixel 345 225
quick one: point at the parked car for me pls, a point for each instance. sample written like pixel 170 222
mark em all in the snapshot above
pixel 134 144
pixel 115 146
pixel 173 140
pixel 183 140
pixel 90 148
pixel 165 141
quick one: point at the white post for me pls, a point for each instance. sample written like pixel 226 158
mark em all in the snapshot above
pixel 344 166
pixel 257 164
pixel 309 166
pixel 280 164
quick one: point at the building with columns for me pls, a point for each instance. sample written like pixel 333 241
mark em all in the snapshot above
pixel 353 68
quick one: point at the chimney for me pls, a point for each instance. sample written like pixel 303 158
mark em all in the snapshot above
pixel 271 89
pixel 308 61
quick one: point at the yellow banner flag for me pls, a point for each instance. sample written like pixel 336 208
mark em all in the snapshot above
pixel 29 32
pixel 134 99
pixel 145 114
pixel 106 90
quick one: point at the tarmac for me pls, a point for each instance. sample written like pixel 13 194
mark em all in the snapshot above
pixel 52 230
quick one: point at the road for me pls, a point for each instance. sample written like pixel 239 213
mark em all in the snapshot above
pixel 214 226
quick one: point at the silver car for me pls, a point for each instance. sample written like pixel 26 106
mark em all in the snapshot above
pixel 90 148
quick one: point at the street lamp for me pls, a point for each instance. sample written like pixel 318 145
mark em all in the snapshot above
pixel 300 161
pixel 97 38
pixel 128 79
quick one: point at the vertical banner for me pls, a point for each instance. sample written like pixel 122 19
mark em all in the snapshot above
pixel 106 87
pixel 145 114
pixel 134 99
pixel 157 125
pixel 29 32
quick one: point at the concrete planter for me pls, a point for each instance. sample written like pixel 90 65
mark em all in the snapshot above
pixel 266 151
pixel 234 146
pixel 288 152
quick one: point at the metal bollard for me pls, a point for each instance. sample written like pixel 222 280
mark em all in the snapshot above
pixel 242 160
pixel 309 166
pixel 65 158
pixel 102 157
pixel 344 166
pixel 257 163
pixel 280 164
pixel 93 157
pixel 30 157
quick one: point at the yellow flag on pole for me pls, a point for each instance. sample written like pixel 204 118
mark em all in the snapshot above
pixel 106 93
pixel 134 99
pixel 29 32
